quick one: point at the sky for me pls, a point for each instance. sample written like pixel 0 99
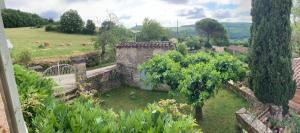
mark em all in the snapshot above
pixel 133 12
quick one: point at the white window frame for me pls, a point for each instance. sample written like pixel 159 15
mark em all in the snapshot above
pixel 8 86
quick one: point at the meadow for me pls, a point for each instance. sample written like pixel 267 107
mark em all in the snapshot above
pixel 60 44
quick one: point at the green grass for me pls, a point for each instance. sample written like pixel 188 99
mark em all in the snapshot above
pixel 121 99
pixel 218 112
pixel 30 39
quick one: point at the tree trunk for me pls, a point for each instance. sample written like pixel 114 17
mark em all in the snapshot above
pixel 198 113
pixel 102 52
pixel 208 38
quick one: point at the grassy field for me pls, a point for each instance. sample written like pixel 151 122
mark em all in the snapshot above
pixel 29 39
pixel 219 111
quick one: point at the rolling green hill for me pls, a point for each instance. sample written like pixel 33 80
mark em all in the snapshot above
pixel 236 31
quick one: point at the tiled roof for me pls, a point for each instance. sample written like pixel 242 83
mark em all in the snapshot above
pixel 239 49
pixel 295 102
pixel 162 44
pixel 296 69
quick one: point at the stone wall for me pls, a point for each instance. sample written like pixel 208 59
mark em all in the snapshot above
pixel 131 55
pixel 250 123
pixel 246 93
pixel 105 80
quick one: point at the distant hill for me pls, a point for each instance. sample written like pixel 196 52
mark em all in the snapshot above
pixel 236 31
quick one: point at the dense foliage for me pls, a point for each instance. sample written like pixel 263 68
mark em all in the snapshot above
pixel 160 117
pixel 152 31
pixel 90 27
pixel 182 48
pixel 16 18
pixel 270 58
pixel 71 22
pixel 194 42
pixel 197 75
pixel 35 92
pixel 213 31
pixel 110 35
pixel 23 58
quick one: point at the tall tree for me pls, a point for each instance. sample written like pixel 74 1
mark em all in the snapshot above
pixel 212 29
pixel 71 22
pixel 197 76
pixel 111 34
pixel 90 27
pixel 153 31
pixel 271 72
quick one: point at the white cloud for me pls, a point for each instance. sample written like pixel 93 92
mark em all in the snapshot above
pixel 132 12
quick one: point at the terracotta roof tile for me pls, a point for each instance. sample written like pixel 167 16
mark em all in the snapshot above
pixel 296 69
pixel 239 49
pixel 152 44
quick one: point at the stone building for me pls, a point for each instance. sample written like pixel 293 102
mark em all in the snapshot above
pixel 131 54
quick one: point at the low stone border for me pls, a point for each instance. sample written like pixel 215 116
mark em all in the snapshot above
pixel 104 81
pixel 246 93
pixel 250 123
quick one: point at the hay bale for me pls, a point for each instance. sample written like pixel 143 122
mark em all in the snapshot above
pixel 46 44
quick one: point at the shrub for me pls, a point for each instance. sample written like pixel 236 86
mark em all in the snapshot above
pixel 92 59
pixel 16 18
pixel 73 118
pixel 52 28
pixel 182 48
pixel 24 57
pixel 34 91
pixel 71 22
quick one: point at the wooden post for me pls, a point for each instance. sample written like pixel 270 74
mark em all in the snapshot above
pixel 8 88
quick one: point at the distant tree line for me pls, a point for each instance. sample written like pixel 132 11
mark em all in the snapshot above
pixel 71 22
pixel 16 18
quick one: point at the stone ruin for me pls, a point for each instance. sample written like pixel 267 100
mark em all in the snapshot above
pixel 132 54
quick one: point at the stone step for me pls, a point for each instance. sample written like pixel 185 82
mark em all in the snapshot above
pixel 64 90
pixel 69 97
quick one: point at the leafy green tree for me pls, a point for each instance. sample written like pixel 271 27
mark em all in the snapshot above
pixel 16 18
pixel 182 48
pixel 197 76
pixel 212 29
pixel 270 58
pixel 110 35
pixel 71 22
pixel 90 27
pixel 153 31
pixel 194 42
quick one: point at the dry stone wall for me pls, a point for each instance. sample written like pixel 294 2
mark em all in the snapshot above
pixel 131 55
pixel 105 80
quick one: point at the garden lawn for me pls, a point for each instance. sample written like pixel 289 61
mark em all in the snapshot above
pixel 219 111
pixel 30 38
